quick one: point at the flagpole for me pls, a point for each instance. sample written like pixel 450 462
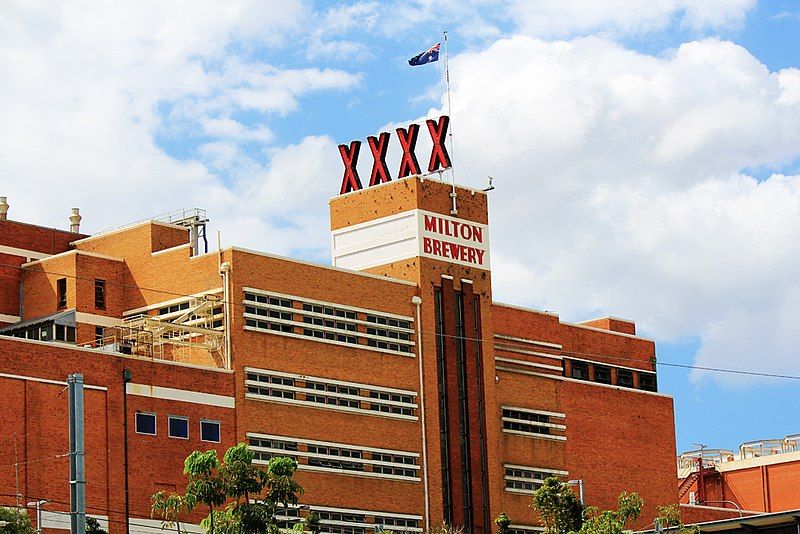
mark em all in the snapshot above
pixel 454 210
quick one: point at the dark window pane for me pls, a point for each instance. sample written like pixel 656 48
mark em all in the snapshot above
pixel 100 294
pixel 647 382
pixel 178 427
pixel 209 431
pixel 602 374
pixel 146 423
pixel 625 378
pixel 580 370
pixel 61 290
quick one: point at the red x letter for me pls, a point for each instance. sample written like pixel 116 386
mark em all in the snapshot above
pixel 350 181
pixel 408 140
pixel 378 146
pixel 439 155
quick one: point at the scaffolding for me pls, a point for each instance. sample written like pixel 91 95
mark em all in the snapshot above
pixel 194 333
pixel 768 447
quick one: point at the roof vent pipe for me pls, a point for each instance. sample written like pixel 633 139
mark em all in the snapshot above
pixel 3 209
pixel 75 220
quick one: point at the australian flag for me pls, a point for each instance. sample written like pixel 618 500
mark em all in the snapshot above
pixel 429 55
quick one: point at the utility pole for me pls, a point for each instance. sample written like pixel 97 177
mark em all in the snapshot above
pixel 77 452
pixel 127 376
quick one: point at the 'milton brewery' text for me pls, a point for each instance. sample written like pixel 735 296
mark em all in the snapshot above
pixel 443 248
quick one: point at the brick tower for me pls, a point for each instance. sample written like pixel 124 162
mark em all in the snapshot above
pixel 436 235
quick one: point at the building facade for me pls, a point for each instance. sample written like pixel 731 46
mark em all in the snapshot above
pixel 761 477
pixel 407 395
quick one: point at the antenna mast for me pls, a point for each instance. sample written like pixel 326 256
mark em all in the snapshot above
pixel 453 196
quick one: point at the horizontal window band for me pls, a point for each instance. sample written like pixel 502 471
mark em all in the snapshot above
pixel 542 469
pixel 304 441
pixel 322 406
pixel 612 365
pixel 534 423
pixel 325 393
pixel 328 341
pixel 509 348
pixel 335 471
pixel 306 454
pixel 535 435
pixel 339 331
pixel 537 412
pixel 626 389
pixel 393 515
pixel 369 474
pixel 306 313
pixel 529 341
pixel 324 303
pixel 371 387
pixel 530 364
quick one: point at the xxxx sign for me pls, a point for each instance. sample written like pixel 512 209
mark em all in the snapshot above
pixel 409 165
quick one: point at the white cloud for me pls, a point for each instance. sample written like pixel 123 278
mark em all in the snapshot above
pixel 620 188
pixel 558 18
pixel 87 89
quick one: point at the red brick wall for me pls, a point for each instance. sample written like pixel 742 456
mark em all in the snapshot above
pixel 39 426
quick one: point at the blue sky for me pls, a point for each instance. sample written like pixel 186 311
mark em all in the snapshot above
pixel 646 154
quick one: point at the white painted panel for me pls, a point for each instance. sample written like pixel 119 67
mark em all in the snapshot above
pixel 182 395
pixel 60 520
pixel 409 234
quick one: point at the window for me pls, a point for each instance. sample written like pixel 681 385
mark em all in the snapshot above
pixel 525 421
pixel 337 457
pixel 61 290
pixel 98 336
pixel 602 374
pixel 522 479
pixel 328 322
pixel 625 378
pixel 647 382
pixel 178 427
pixel 99 294
pixel 580 370
pixel 273 386
pixel 65 333
pixel 209 431
pixel 146 423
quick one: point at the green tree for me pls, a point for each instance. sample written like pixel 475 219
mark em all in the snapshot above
pixel 17 521
pixel 93 526
pixel 503 521
pixel 629 508
pixel 670 517
pixel 242 498
pixel 561 512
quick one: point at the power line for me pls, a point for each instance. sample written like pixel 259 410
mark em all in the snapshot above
pixel 234 304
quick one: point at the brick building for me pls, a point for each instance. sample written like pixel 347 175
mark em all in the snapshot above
pixel 761 477
pixel 406 393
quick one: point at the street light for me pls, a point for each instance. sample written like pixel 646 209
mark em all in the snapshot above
pixel 38 504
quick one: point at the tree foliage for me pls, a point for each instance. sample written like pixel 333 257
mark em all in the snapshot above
pixel 670 517
pixel 93 526
pixel 242 498
pixel 17 521
pixel 503 521
pixel 629 508
pixel 561 512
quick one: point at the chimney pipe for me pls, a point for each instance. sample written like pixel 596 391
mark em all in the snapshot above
pixel 3 209
pixel 75 220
